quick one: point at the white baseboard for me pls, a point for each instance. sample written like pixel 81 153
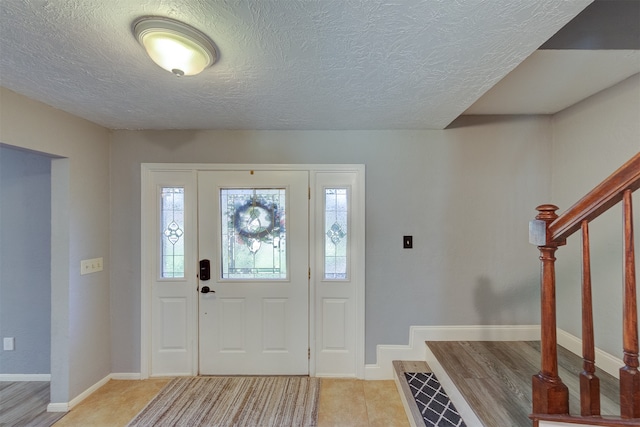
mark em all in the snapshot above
pixel 335 376
pixel 126 376
pixel 416 350
pixel 605 361
pixel 24 377
pixel 67 406
pixel 58 407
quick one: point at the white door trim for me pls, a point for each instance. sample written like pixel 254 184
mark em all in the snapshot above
pixel 147 252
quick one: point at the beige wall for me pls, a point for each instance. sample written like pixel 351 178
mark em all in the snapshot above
pixel 465 194
pixel 590 141
pixel 80 345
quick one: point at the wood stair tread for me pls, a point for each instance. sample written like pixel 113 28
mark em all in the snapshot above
pixel 408 401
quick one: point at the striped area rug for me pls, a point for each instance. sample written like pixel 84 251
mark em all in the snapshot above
pixel 234 401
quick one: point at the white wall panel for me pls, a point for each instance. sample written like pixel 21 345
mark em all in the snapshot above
pixel 274 324
pixel 334 324
pixel 173 323
pixel 232 327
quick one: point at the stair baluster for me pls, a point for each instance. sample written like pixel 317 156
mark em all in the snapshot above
pixel 629 375
pixel 589 382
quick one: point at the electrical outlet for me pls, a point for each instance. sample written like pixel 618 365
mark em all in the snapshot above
pixel 9 343
pixel 88 266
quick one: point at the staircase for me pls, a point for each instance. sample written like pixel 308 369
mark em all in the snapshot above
pixel 549 232
pixel 490 381
pixel 548 396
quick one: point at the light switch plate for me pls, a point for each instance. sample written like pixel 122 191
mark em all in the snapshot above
pixel 88 266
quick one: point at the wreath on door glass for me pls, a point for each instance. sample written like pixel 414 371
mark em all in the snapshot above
pixel 255 221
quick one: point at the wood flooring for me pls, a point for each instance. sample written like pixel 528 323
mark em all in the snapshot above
pixel 495 378
pixel 25 404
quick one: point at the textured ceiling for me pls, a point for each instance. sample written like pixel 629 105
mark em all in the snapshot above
pixel 567 76
pixel 284 64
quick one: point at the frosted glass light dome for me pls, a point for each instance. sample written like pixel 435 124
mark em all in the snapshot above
pixel 174 46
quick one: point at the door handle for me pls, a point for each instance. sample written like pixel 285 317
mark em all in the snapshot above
pixel 205 269
pixel 206 290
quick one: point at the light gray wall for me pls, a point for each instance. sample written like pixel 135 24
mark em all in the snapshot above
pixel 591 140
pixel 25 260
pixel 80 321
pixel 465 194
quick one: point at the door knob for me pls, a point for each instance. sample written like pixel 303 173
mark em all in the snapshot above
pixel 206 290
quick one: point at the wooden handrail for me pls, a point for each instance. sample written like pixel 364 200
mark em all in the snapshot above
pixel 550 231
pixel 598 200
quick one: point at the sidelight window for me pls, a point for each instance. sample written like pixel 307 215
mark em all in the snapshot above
pixel 172 232
pixel 336 220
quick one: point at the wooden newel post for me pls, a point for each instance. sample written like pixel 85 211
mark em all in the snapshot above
pixel 550 394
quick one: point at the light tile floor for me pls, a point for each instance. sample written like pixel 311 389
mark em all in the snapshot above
pixel 360 403
pixel 343 403
pixel 114 404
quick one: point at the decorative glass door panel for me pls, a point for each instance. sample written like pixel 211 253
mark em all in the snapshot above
pixel 254 233
pixel 254 309
pixel 172 232
pixel 336 217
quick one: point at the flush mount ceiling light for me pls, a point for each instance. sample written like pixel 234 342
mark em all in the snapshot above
pixel 174 46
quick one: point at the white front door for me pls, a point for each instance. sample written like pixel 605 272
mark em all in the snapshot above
pixel 254 307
